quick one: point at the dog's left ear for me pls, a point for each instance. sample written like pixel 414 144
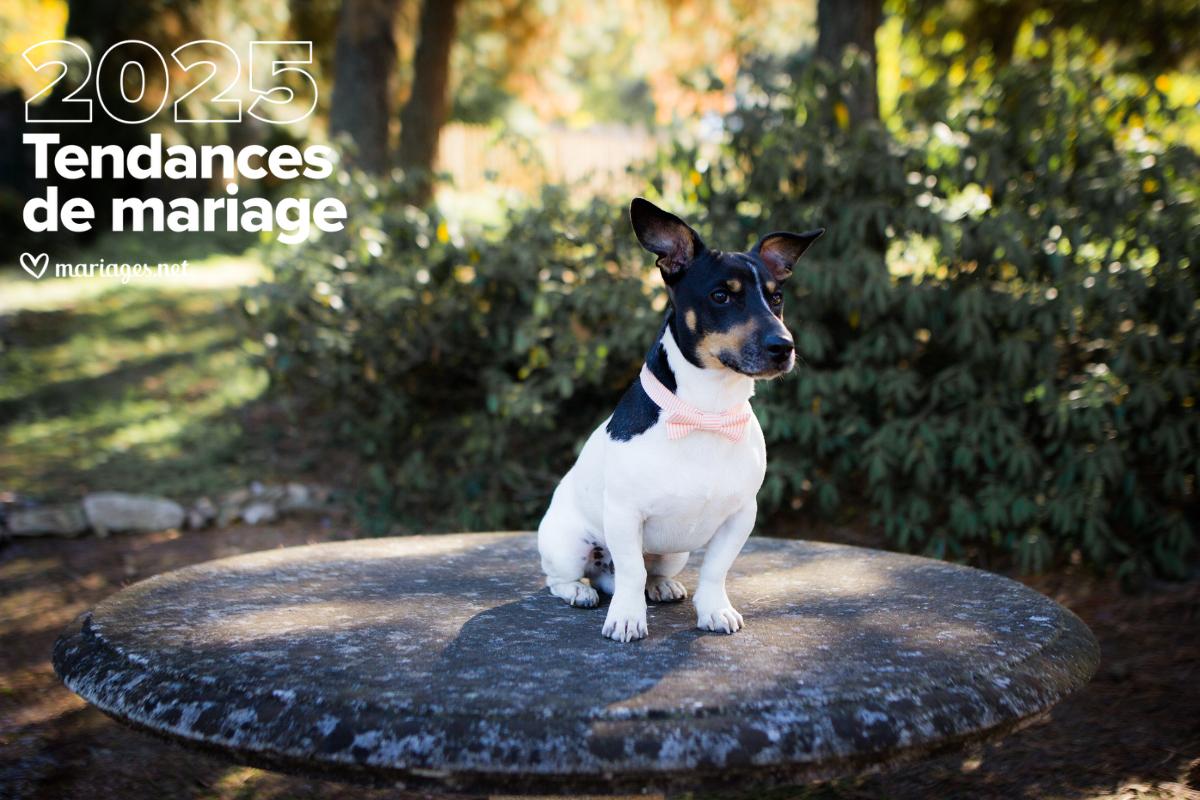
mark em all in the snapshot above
pixel 665 235
pixel 781 250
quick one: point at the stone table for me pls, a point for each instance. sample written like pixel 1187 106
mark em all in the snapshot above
pixel 440 663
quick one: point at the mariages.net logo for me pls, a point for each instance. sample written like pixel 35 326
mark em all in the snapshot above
pixel 283 93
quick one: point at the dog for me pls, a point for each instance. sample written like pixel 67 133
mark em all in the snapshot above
pixel 678 465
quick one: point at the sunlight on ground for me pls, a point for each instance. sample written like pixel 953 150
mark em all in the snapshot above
pixel 125 386
pixel 235 780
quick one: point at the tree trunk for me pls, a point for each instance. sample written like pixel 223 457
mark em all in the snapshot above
pixel 313 21
pixel 364 62
pixel 103 23
pixel 841 23
pixel 425 112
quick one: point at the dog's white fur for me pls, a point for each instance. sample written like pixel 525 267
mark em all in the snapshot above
pixel 648 502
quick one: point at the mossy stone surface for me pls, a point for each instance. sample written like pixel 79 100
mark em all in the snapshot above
pixel 441 663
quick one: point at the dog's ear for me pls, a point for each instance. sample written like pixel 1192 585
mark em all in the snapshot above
pixel 665 235
pixel 781 250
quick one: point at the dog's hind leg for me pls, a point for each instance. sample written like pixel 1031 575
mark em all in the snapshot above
pixel 565 564
pixel 660 573
pixel 566 551
pixel 600 570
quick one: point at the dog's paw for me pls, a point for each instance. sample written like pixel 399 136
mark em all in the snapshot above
pixel 576 593
pixel 625 625
pixel 721 620
pixel 664 590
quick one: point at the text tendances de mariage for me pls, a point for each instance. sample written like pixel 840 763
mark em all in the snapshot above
pixel 292 218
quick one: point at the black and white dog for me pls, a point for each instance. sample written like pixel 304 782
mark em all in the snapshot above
pixel 679 463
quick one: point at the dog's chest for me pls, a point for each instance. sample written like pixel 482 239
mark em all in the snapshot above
pixel 686 488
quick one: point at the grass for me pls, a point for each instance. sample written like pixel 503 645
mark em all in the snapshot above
pixel 144 386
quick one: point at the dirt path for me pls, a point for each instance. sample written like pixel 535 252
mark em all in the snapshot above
pixel 1133 733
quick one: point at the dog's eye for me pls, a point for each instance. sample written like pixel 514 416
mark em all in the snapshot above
pixel 777 299
pixel 720 297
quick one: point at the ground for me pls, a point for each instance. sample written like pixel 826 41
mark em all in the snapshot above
pixel 1134 732
pixel 114 386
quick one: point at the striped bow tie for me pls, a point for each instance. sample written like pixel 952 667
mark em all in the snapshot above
pixel 682 418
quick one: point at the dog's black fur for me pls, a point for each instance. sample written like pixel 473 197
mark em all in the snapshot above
pixel 636 413
pixel 726 308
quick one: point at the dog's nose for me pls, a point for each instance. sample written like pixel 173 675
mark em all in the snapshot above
pixel 780 347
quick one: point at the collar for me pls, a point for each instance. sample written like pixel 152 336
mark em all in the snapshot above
pixel 683 418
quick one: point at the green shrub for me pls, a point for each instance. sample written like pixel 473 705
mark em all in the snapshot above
pixel 1024 382
pixel 998 334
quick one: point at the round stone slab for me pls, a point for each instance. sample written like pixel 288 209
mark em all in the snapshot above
pixel 442 663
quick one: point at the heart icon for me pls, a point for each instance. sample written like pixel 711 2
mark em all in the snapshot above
pixel 28 263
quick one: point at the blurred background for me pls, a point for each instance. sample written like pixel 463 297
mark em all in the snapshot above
pixel 998 334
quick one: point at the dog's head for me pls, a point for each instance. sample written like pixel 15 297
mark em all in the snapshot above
pixel 728 307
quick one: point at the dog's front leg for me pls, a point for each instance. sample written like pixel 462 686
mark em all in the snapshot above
pixel 626 618
pixel 714 612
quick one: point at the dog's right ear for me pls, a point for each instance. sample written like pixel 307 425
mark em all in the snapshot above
pixel 665 235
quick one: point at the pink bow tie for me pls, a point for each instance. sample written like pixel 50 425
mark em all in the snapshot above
pixel 682 418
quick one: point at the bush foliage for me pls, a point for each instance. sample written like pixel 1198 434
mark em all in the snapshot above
pixel 998 335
